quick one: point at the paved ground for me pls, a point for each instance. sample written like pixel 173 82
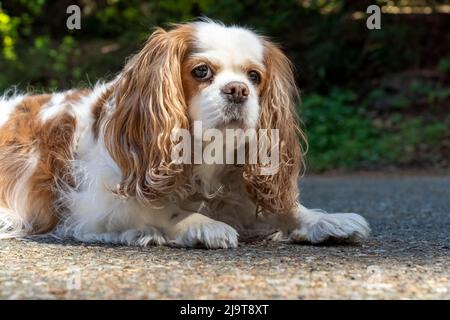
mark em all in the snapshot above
pixel 408 255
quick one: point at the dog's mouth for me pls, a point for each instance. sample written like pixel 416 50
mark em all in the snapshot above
pixel 234 116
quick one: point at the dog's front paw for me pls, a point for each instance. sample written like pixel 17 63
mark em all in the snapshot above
pixel 198 230
pixel 316 227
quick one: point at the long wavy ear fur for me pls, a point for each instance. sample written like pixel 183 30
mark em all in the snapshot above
pixel 149 103
pixel 278 193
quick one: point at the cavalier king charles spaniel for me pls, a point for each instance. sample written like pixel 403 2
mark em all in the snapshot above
pixel 96 165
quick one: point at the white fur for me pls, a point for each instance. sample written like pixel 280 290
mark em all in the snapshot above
pixel 54 107
pixel 317 226
pixel 8 105
pixel 216 214
pixel 198 229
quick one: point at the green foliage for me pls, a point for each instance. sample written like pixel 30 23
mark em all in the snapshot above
pixel 341 135
pixel 373 121
pixel 327 45
pixel 8 31
pixel 444 64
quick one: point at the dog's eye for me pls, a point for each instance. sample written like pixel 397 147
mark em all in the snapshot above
pixel 202 72
pixel 254 77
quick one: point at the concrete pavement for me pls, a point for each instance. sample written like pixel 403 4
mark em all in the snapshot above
pixel 408 255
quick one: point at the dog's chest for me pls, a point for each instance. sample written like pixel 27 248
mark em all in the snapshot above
pixel 215 186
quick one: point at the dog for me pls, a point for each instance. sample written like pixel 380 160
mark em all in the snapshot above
pixel 96 165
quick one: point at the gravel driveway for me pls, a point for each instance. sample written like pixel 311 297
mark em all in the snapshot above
pixel 408 255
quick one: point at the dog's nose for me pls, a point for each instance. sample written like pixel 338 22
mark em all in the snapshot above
pixel 235 91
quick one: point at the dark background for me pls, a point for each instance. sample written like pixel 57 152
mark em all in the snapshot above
pixel 371 99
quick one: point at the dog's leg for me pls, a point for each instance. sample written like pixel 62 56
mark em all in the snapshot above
pixel 150 236
pixel 315 226
pixel 181 229
pixel 143 226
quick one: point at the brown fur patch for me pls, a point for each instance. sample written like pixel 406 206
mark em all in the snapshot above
pixel 149 103
pixel 278 193
pixel 24 136
pixel 98 111
pixel 192 86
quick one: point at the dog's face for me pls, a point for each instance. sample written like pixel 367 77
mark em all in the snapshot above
pixel 223 77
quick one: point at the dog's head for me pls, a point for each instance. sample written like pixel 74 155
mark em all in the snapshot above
pixel 225 77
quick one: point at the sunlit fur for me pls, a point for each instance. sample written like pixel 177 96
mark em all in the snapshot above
pixel 95 164
pixel 149 103
pixel 278 193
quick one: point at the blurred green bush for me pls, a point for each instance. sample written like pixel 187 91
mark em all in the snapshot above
pixel 370 98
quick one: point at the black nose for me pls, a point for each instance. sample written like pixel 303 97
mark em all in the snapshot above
pixel 236 92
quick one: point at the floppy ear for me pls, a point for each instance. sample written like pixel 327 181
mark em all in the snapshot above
pixel 278 192
pixel 149 103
